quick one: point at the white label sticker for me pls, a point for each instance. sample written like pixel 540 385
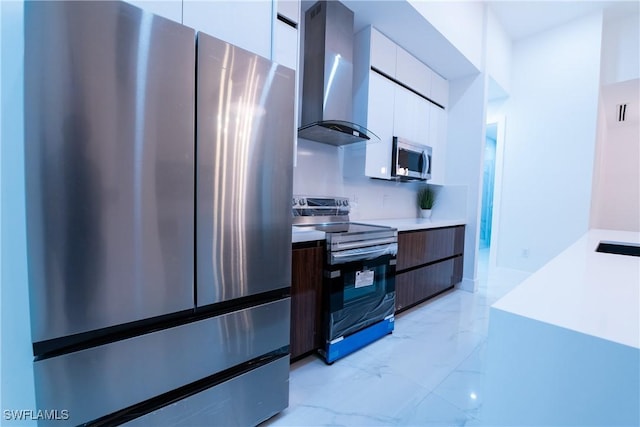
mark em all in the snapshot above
pixel 364 278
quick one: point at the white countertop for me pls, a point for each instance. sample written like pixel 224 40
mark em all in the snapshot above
pixel 409 224
pixel 586 291
pixel 308 234
pixel 305 234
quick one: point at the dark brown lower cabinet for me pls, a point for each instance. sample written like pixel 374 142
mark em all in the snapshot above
pixel 429 262
pixel 457 269
pixel 306 297
pixel 415 286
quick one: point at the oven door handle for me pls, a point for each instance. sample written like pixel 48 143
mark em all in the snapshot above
pixel 364 253
pixel 358 244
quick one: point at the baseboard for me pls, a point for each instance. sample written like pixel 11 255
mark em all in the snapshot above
pixel 469 285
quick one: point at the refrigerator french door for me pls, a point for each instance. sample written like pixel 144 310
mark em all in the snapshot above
pixel 244 173
pixel 118 213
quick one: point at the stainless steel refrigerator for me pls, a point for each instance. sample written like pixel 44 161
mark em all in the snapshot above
pixel 158 220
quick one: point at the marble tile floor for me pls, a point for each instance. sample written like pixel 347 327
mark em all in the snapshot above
pixel 429 372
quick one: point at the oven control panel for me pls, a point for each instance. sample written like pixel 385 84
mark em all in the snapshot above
pixel 319 202
pixel 312 206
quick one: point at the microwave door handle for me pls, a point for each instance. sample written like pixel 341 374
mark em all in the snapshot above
pixel 425 164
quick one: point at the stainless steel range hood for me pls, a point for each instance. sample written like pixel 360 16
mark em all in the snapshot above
pixel 328 70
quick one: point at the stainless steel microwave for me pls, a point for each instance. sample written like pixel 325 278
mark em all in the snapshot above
pixel 410 160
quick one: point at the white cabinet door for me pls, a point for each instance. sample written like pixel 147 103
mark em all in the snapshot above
pixel 422 120
pixel 404 112
pixel 380 122
pixel 440 90
pixel 411 120
pixel 285 51
pixel 413 73
pixel 285 45
pixel 438 142
pixel 170 9
pixel 289 9
pixel 246 24
pixel 383 53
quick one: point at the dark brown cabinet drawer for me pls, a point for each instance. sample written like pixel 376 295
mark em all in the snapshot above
pixel 458 264
pixel 306 285
pixel 422 247
pixel 415 286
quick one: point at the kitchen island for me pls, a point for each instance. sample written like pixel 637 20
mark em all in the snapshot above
pixel 564 346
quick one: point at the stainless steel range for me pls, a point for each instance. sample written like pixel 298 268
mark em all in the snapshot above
pixel 359 270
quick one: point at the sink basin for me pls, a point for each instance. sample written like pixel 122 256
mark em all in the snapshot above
pixel 619 248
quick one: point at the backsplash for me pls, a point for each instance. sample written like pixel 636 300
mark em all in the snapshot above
pixel 325 170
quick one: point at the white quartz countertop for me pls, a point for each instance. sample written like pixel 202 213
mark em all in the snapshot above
pixel 305 234
pixel 586 291
pixel 409 224
pixel 308 234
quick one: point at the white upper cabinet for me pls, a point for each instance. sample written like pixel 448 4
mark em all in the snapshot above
pixel 285 44
pixel 246 24
pixel 170 9
pixel 286 22
pixel 413 73
pixel 253 25
pixel 383 52
pixel 286 50
pixel 380 120
pixel 290 9
pixel 411 116
pixel 392 93
pixel 438 143
pixel 440 90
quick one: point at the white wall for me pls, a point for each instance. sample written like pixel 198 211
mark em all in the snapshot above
pixel 620 47
pixel 498 52
pixel 317 171
pixel 497 114
pixel 461 22
pixel 465 147
pixel 550 143
pixel 16 364
pixel 325 170
pixel 616 183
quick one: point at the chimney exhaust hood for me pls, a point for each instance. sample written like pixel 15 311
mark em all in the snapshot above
pixel 328 77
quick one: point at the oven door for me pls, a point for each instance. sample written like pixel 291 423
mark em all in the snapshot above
pixel 360 292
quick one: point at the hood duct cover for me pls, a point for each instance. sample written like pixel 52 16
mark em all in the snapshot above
pixel 328 70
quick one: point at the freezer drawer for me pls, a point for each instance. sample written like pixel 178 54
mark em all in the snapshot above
pixel 109 151
pixel 246 400
pixel 97 382
pixel 244 172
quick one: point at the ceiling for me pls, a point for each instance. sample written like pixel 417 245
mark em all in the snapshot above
pixel 524 18
pixel 400 22
pixel 519 19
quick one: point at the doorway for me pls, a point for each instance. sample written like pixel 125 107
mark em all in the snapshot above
pixel 489 226
pixel 488 183
pixel 489 238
